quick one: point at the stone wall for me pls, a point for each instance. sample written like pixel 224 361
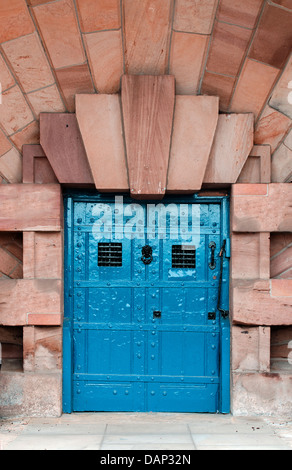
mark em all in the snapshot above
pixel 31 313
pixel 261 303
pixel 261 223
pixel 51 51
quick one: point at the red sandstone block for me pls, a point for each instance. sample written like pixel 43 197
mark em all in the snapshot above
pixel 281 264
pixel 41 319
pixel 218 85
pixel 29 62
pixel 59 28
pixel 30 134
pixel 250 190
pixel 186 57
pixel 42 348
pixel 17 273
pixel 254 76
pixel 30 207
pixel 272 126
pixel 255 303
pixel 105 56
pixel 262 208
pixel 250 255
pixel 73 81
pixel 5 145
pixel 281 93
pixel 147 32
pixel 250 348
pixel 46 100
pixel 28 348
pixel 42 255
pixel 228 48
pixel 7 262
pixel 194 126
pixel 6 79
pixel 287 274
pixel 35 166
pixel 10 119
pixel 62 143
pixel 21 298
pixel 257 168
pixel 282 288
pixel 12 242
pixel 10 166
pixel 272 41
pixel 254 394
pixel 28 255
pixel 232 145
pixel 15 20
pixel 280 241
pixel 148 137
pixel 194 16
pixel 100 115
pixel 99 15
pixel 236 12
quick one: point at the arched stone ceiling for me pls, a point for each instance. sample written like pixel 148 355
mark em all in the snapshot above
pixel 52 50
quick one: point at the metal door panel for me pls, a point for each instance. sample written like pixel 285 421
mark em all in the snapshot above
pixel 114 352
pixel 124 357
pixel 109 305
pixel 201 398
pixel 181 353
pixel 103 396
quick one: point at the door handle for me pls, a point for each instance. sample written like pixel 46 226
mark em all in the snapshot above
pixel 212 264
pixel 147 257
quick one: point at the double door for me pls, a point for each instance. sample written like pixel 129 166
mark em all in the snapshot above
pixel 142 308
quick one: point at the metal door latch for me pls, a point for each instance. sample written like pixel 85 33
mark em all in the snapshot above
pixel 224 313
pixel 156 314
pixel 212 316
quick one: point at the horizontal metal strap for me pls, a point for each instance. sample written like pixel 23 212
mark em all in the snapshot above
pixel 79 284
pixel 166 379
pixel 123 230
pixel 146 327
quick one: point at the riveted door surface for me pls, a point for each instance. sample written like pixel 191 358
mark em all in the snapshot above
pixel 143 281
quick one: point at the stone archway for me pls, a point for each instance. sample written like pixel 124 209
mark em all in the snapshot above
pixel 102 147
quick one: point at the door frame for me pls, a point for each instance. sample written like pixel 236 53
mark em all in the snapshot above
pixel 72 196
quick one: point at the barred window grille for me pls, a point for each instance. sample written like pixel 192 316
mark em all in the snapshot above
pixel 183 256
pixel 110 254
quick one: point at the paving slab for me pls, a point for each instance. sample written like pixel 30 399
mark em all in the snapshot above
pixel 146 431
pixel 240 440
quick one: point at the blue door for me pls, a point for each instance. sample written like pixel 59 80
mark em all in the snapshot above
pixel 146 305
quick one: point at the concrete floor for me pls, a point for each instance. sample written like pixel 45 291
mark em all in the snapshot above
pixel 146 431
